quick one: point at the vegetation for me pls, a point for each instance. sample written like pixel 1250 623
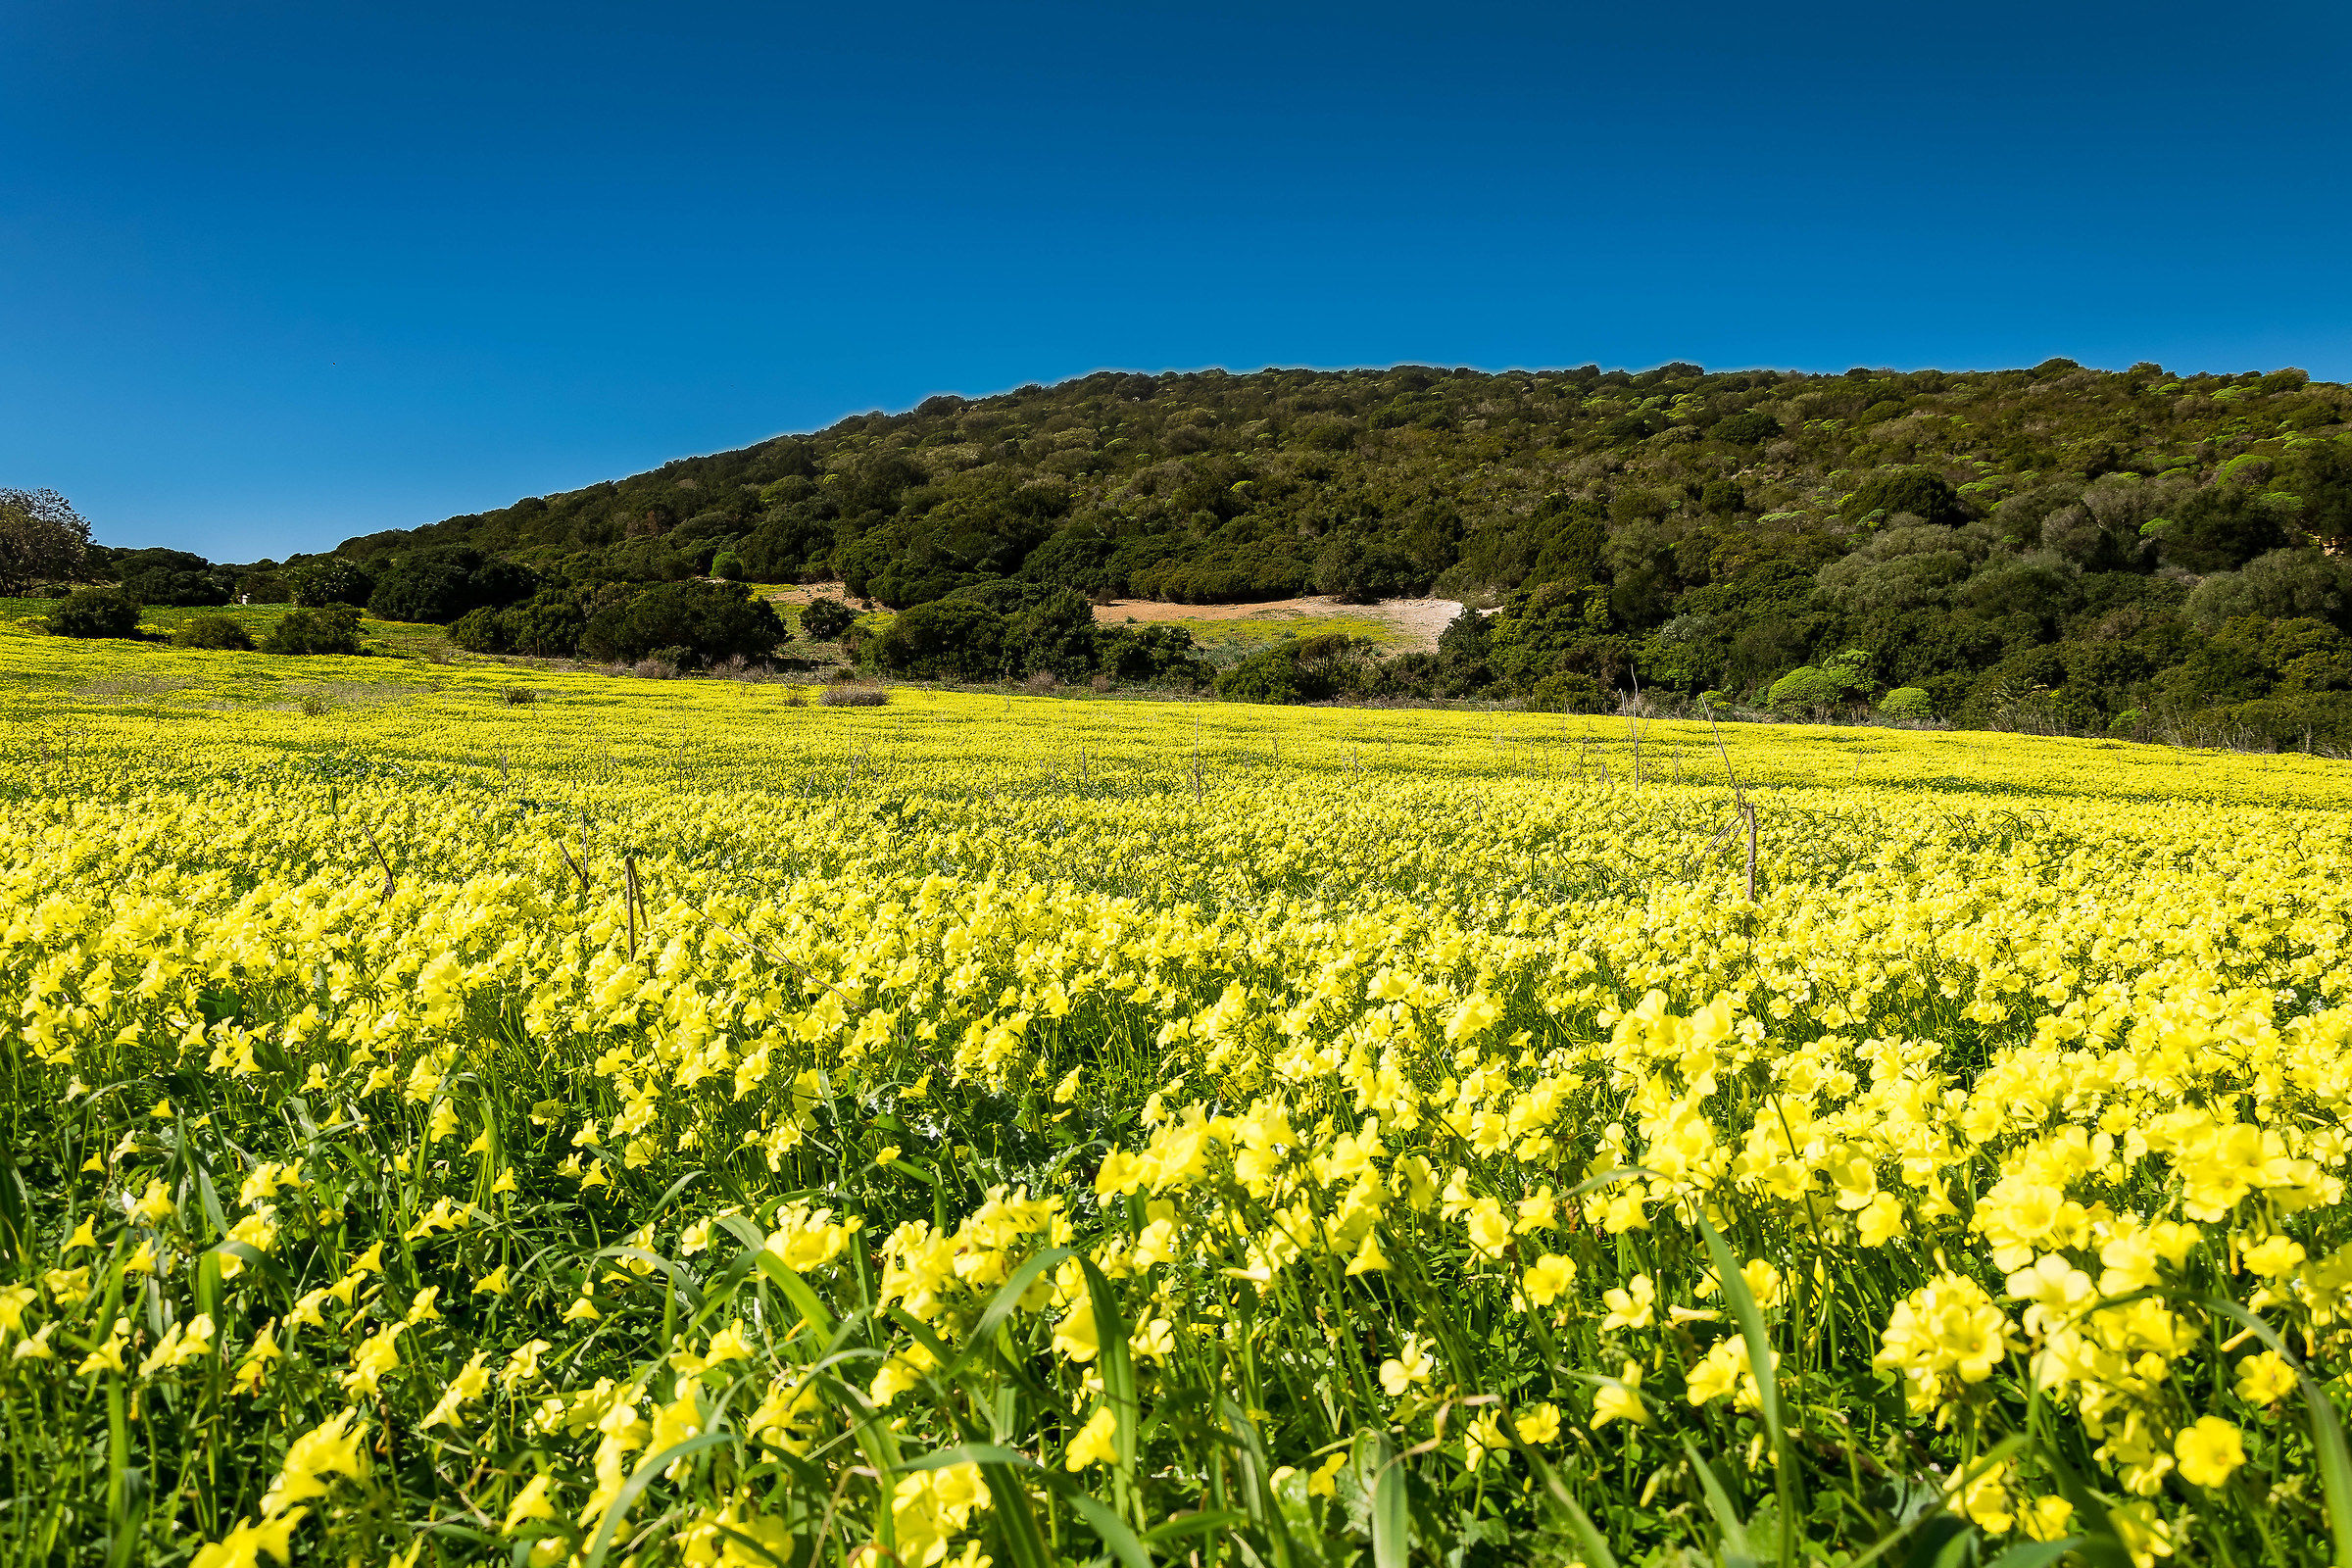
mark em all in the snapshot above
pixel 2057 549
pixel 670 1124
pixel 211 631
pixel 95 612
pixel 42 540
pixel 333 629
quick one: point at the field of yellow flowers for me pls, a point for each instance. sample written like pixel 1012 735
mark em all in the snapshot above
pixel 467 1115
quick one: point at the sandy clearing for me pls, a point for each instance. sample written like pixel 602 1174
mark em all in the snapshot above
pixel 1417 621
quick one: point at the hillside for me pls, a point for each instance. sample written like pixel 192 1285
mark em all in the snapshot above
pixel 2056 547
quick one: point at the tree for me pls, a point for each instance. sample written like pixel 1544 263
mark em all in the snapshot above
pixel 728 565
pixel 96 613
pixel 211 631
pixel 952 638
pixel 332 629
pixel 823 621
pixel 440 585
pixel 43 539
pixel 546 625
pixel 317 584
pixel 480 632
pixel 1921 492
pixel 712 620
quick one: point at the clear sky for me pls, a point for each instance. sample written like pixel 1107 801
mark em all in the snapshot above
pixel 274 274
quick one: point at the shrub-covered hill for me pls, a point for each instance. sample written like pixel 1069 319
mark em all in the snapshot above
pixel 2058 545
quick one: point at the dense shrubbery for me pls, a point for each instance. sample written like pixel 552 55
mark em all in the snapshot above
pixel 211 631
pixel 2052 547
pixel 96 613
pixel 328 629
pixel 706 620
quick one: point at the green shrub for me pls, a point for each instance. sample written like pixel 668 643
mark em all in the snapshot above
pixel 211 631
pixel 1569 691
pixel 1810 688
pixel 727 566
pixel 1907 702
pixel 329 630
pixel 823 621
pixel 96 613
pixel 480 632
pixel 715 621
pixel 953 638
pixel 1269 675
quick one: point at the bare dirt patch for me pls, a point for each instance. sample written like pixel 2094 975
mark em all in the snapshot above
pixel 1415 622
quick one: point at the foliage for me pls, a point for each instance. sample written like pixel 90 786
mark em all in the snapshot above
pixel 952 638
pixel 710 620
pixel 443 584
pixel 331 580
pixel 96 613
pixel 328 629
pixel 823 620
pixel 211 631
pixel 1907 702
pixel 933 1133
pixel 1691 530
pixel 43 539
pixel 1812 689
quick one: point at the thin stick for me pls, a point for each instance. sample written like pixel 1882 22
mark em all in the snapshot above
pixel 380 859
pixel 628 867
pixel 1751 855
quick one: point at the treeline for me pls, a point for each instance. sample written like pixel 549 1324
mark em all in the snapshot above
pixel 2059 547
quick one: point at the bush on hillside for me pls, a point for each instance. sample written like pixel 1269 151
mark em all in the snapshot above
pixel 328 629
pixel 96 613
pixel 823 621
pixel 211 631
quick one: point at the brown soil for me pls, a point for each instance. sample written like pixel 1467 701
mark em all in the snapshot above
pixel 1416 621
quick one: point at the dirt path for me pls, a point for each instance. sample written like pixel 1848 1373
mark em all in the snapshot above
pixel 1417 621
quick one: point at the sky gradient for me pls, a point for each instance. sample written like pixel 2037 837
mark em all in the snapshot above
pixel 271 276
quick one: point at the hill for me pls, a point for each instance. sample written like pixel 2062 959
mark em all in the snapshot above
pixel 2058 547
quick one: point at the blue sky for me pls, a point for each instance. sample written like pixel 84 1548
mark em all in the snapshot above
pixel 271 276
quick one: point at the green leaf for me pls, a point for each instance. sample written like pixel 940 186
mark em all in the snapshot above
pixel 1392 1509
pixel 1735 1553
pixel 1767 1383
pixel 993 1459
pixel 635 1486
pixel 2327 1431
pixel 2035 1553
pixel 1592 1546
pixel 1118 1375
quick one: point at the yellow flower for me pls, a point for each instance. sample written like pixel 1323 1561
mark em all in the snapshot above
pixel 530 1504
pixel 243 1546
pixel 2264 1378
pixel 1074 1336
pixel 1633 1307
pixel 331 1448
pixel 2209 1449
pixel 107 1354
pixel 1621 1399
pixel 84 1234
pixel 1538 1423
pixel 523 1365
pixel 470 1382
pixel 377 1356
pixel 1490 1230
pixel 154 1206
pixel 1547 1279
pixel 1879 1221
pixel 1409 1366
pixel 493 1283
pixel 1094 1443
